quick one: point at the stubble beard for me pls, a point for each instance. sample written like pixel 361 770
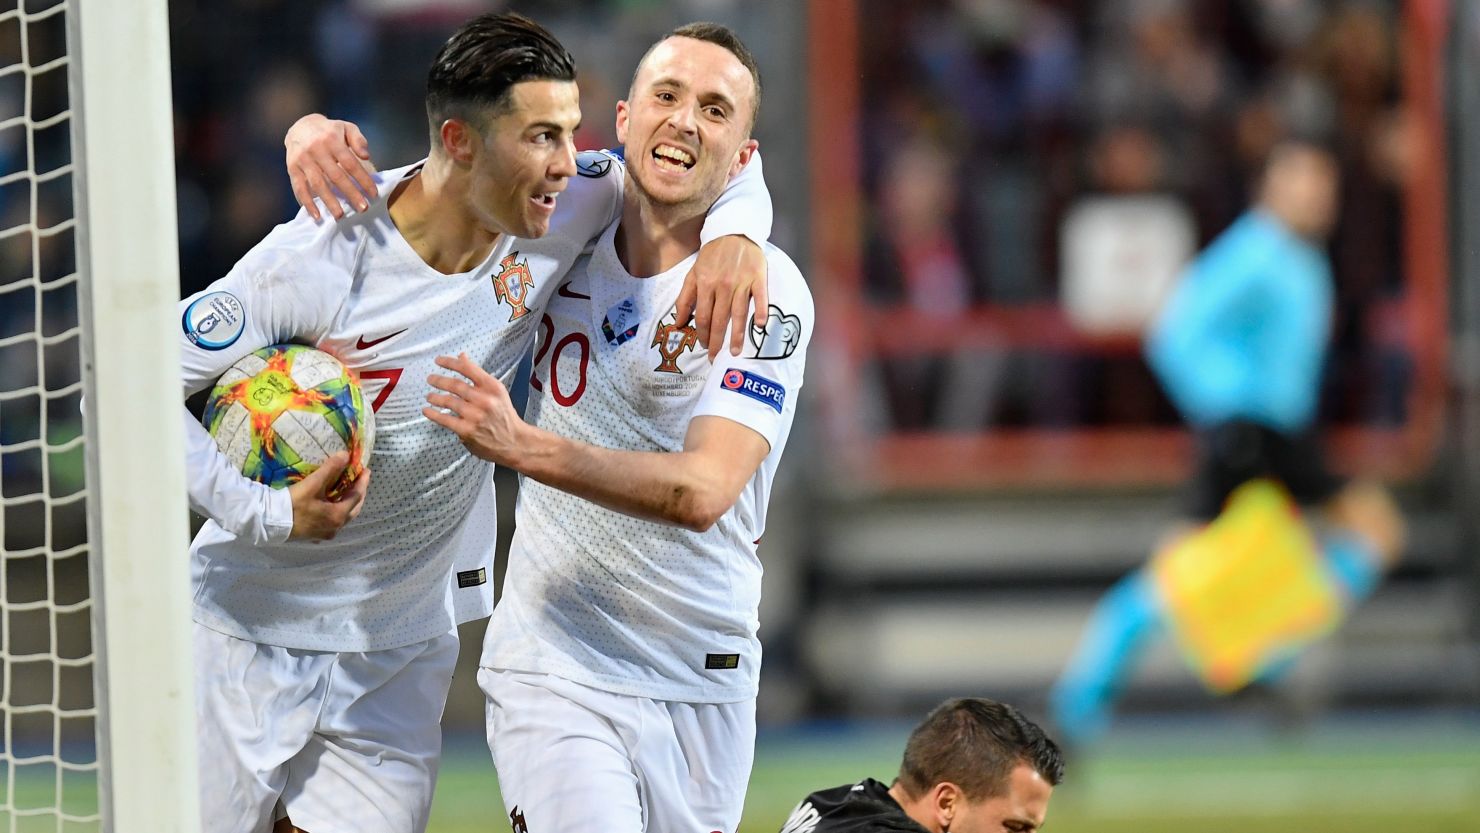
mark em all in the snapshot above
pixel 675 210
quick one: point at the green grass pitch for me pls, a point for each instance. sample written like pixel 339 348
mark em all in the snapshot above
pixel 1351 777
pixel 1356 775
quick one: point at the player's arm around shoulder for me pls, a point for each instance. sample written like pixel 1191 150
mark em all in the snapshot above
pixel 329 161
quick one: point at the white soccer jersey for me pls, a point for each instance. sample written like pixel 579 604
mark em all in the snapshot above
pixel 605 599
pixel 418 558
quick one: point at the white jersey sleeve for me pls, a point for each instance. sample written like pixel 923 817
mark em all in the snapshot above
pixel 758 388
pixel 593 200
pixel 744 207
pixel 266 299
pixel 253 512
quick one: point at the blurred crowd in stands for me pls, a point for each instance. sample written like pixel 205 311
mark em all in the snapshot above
pixel 1016 149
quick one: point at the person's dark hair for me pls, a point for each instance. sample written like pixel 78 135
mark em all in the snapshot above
pixel 975 744
pixel 1297 143
pixel 722 36
pixel 477 67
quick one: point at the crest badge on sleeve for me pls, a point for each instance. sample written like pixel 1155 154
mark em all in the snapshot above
pixel 214 321
pixel 512 284
pixel 672 340
pixel 779 338
pixel 593 164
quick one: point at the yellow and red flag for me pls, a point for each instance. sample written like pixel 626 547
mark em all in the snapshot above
pixel 1247 590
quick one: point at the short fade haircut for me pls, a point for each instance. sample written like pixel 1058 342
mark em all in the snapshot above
pixel 477 67
pixel 722 36
pixel 975 744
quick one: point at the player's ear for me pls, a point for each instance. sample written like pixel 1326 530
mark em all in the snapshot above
pixel 622 116
pixel 459 140
pixel 742 157
pixel 945 802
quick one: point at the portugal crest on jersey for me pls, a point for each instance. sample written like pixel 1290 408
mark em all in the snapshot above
pixel 512 284
pixel 672 340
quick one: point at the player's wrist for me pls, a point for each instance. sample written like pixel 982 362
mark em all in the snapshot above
pixel 535 452
pixel 527 446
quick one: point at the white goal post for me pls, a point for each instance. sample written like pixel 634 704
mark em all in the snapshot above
pixel 124 135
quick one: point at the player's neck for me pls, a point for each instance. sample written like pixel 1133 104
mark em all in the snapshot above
pixel 912 807
pixel 655 238
pixel 428 211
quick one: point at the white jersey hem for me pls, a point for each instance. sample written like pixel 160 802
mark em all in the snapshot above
pixel 301 641
pixel 617 685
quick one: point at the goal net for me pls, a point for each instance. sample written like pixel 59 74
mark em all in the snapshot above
pixel 95 692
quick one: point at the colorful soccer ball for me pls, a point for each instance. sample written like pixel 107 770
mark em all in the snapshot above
pixel 280 412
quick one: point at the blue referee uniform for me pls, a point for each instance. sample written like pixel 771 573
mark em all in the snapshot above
pixel 1244 334
pixel 1239 349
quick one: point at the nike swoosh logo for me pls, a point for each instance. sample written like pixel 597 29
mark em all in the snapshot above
pixel 362 344
pixel 566 292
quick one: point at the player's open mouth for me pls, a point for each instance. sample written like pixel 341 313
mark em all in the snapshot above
pixel 545 200
pixel 671 158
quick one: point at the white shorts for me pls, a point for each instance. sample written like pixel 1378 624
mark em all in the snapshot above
pixel 341 741
pixel 573 759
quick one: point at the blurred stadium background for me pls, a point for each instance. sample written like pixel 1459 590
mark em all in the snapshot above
pixel 987 197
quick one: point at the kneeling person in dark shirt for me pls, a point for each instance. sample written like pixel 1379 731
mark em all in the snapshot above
pixel 972 766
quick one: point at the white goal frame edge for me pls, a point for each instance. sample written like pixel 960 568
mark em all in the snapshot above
pixel 124 181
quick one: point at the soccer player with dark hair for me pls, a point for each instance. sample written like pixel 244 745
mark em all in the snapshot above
pixel 972 766
pixel 323 665
pixel 330 160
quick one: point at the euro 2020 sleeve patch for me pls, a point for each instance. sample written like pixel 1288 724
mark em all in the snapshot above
pixel 779 338
pixel 593 164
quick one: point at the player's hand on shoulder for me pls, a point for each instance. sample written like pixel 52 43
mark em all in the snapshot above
pixel 476 407
pixel 318 517
pixel 329 159
pixel 728 275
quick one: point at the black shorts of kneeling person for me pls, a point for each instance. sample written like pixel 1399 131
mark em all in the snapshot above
pixel 1232 453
